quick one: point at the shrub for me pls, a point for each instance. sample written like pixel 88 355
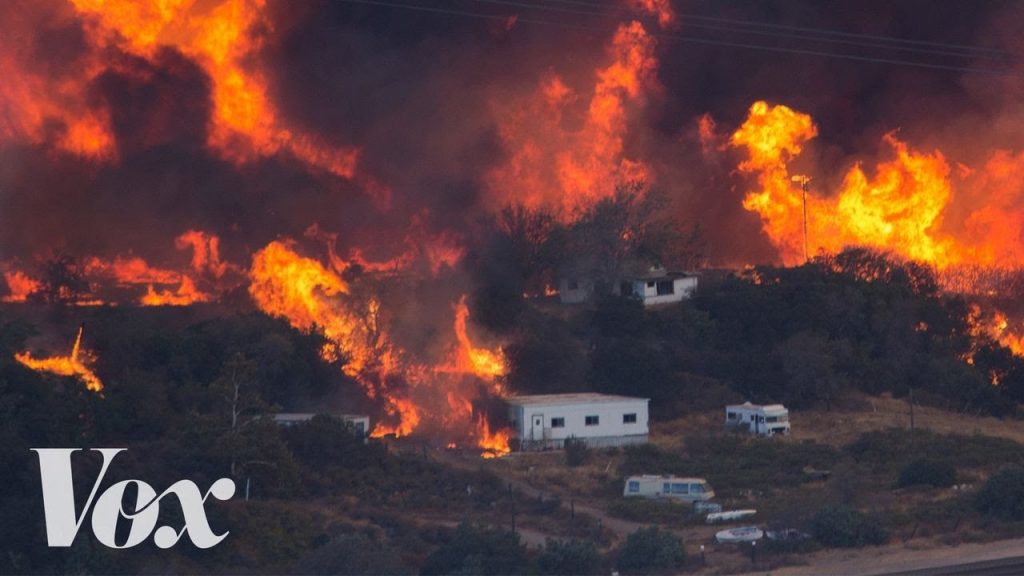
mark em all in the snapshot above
pixel 569 558
pixel 1003 494
pixel 843 527
pixel 576 452
pixel 478 550
pixel 352 554
pixel 651 551
pixel 927 472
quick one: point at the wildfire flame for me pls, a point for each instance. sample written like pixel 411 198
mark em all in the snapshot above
pixel 563 170
pixel 20 286
pixel 311 296
pixel 78 364
pixel 912 205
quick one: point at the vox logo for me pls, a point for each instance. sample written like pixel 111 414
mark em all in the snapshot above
pixel 63 523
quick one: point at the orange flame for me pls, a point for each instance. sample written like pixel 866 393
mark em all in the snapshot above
pixel 496 444
pixel 312 296
pixel 78 364
pixel 185 295
pixel 20 286
pixel 910 206
pixel 563 170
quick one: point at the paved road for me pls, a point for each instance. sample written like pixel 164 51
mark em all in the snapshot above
pixel 1002 567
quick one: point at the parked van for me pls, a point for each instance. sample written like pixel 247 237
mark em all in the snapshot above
pixel 672 487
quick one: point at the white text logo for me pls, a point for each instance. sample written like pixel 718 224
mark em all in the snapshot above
pixel 62 523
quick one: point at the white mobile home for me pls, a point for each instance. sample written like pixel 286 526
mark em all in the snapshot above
pixel 546 421
pixel 767 420
pixel 360 424
pixel 672 487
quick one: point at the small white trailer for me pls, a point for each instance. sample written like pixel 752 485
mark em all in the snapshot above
pixel 765 420
pixel 672 487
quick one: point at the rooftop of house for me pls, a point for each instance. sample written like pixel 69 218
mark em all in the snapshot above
pixel 762 407
pixel 573 398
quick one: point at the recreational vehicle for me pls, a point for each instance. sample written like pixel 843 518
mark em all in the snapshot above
pixel 767 420
pixel 672 487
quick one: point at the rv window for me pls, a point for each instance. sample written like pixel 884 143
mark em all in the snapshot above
pixel 651 284
pixel 629 418
pixel 591 421
pixel 771 419
pixel 730 415
pixel 634 486
pixel 680 488
pixel 666 287
pixel 697 488
pixel 666 488
pixel 558 422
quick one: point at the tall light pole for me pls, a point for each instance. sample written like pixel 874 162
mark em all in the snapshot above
pixel 804 182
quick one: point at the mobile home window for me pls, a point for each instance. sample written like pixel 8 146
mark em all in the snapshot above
pixel 680 488
pixel 629 418
pixel 591 420
pixel 666 287
pixel 558 422
pixel 634 486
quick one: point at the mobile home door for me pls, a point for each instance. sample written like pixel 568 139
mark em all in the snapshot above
pixel 537 430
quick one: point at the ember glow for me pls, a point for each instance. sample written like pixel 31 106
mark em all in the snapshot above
pixel 78 364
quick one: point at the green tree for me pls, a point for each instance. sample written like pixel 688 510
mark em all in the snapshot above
pixel 352 555
pixel 927 472
pixel 1003 494
pixel 651 551
pixel 569 558
pixel 478 550
pixel 841 526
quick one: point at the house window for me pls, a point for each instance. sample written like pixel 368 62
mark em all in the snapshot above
pixel 666 287
pixel 574 284
pixel 592 421
pixel 629 418
pixel 634 486
pixel 680 488
pixel 558 422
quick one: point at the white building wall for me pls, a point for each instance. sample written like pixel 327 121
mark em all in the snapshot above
pixel 571 291
pixel 682 287
pixel 535 422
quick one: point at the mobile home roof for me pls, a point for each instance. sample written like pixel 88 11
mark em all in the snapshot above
pixel 577 398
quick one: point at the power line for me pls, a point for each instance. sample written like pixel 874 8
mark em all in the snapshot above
pixel 818 36
pixel 692 40
pixel 819 31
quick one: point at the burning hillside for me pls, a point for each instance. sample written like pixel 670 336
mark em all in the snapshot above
pixel 353 169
